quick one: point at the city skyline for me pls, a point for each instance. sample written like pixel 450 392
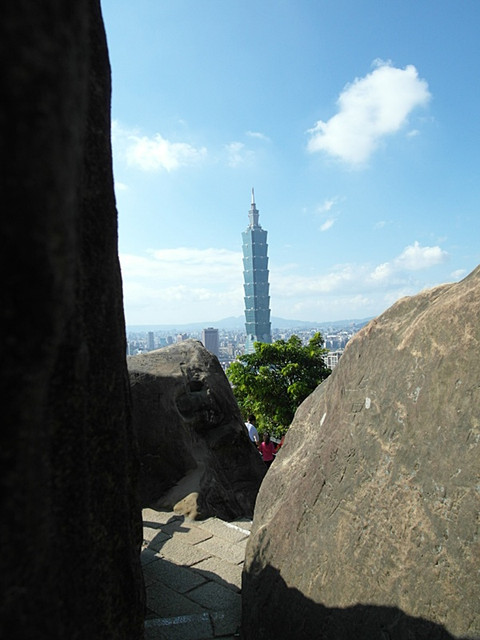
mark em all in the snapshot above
pixel 355 122
pixel 228 344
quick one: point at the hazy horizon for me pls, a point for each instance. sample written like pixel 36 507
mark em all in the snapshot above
pixel 230 323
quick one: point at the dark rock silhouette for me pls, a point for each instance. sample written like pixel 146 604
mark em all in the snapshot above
pixel 70 531
pixel 195 453
pixel 290 615
pixel 366 525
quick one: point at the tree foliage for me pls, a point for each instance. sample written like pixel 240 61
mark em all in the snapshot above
pixel 273 381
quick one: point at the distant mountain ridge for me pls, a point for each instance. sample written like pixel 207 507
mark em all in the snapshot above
pixel 238 322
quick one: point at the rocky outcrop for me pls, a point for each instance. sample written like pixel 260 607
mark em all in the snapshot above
pixel 195 454
pixel 70 531
pixel 367 524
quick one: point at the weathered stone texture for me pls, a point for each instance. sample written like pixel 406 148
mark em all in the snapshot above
pixel 367 525
pixel 70 526
pixel 195 453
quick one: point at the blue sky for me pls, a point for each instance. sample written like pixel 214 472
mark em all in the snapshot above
pixel 357 123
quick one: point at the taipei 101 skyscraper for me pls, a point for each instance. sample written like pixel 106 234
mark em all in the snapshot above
pixel 255 276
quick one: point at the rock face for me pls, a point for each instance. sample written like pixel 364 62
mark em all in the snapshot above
pixel 195 453
pixel 367 525
pixel 70 531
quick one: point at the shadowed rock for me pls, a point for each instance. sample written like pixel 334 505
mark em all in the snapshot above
pixel 195 453
pixel 367 525
pixel 70 525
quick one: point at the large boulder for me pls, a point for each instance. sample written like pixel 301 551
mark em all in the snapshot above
pixel 70 532
pixel 195 454
pixel 367 524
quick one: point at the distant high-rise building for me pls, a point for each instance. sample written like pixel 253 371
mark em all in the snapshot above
pixel 255 276
pixel 151 341
pixel 210 340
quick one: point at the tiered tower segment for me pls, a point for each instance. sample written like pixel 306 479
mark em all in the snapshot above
pixel 255 276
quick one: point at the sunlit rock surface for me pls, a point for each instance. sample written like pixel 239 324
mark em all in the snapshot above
pixel 367 524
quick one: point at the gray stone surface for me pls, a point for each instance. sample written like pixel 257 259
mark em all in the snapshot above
pixel 225 550
pixel 180 577
pixel 188 601
pixel 225 625
pixel 191 554
pixel 215 597
pixel 70 530
pixel 223 571
pixel 367 524
pixel 192 627
pixel 166 602
pixel 231 532
pixel 196 457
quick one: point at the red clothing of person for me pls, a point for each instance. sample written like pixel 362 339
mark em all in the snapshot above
pixel 267 450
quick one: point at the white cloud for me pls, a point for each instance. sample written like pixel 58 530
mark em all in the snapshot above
pixel 184 265
pixel 458 274
pixel 326 205
pixel 258 136
pixel 328 224
pixel 413 258
pixel 382 272
pixel 154 153
pixel 167 284
pixel 416 257
pixel 389 278
pixel 157 153
pixel 369 109
pixel 326 208
pixel 238 154
pixel 151 154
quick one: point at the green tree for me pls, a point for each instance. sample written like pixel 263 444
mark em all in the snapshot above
pixel 274 380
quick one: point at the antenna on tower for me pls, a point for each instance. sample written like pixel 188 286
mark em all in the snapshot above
pixel 253 196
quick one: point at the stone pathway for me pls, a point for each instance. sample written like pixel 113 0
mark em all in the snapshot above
pixel 192 573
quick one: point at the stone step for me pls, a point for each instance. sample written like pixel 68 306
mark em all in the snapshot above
pixel 218 625
pixel 192 572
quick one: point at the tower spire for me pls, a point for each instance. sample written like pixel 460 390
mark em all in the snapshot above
pixel 253 213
